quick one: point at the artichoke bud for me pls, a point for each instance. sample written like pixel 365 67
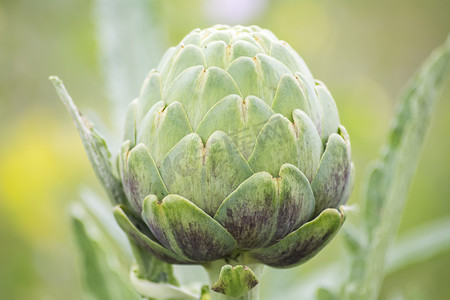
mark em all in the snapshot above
pixel 233 147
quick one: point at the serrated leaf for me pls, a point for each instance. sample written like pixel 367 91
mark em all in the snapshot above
pixel 419 245
pixel 390 180
pixel 95 146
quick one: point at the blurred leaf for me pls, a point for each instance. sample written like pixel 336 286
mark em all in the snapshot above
pixel 205 293
pixel 419 245
pixel 95 146
pixel 390 179
pixel 101 213
pixel 131 42
pixel 160 290
pixel 148 268
pixel 325 294
pixel 102 274
pixel 151 268
pixel 354 240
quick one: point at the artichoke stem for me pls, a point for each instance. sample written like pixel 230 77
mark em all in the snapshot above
pixel 214 268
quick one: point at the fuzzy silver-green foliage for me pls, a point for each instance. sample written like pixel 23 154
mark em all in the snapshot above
pixel 232 147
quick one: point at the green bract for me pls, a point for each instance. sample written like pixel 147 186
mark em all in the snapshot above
pixel 232 148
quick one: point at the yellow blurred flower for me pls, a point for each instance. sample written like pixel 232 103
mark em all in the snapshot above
pixel 41 164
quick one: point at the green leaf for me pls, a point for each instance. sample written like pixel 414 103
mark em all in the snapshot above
pixel 390 179
pixel 244 43
pixel 149 267
pixel 215 54
pixel 309 145
pixel 281 142
pixel 304 243
pixel 348 186
pixel 199 89
pixel 241 119
pixel 295 201
pixel 243 48
pixel 283 52
pixel 100 211
pixel 188 56
pixel 330 121
pixel 95 146
pixel 235 281
pixel 333 173
pixel 193 38
pixel 166 61
pixel 289 96
pixel 263 210
pixel 139 234
pixel 262 37
pixel 243 71
pixel 140 176
pixel 197 172
pixel 315 108
pixel 249 213
pixel 257 76
pixel 217 35
pixel 102 274
pixel 186 230
pixel 276 144
pixel 162 128
pixel 355 241
pixel 130 123
pixel 419 244
pixel 150 95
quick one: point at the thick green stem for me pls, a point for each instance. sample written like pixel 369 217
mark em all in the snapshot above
pixel 214 269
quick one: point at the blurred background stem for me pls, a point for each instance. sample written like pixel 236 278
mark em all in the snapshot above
pixel 390 179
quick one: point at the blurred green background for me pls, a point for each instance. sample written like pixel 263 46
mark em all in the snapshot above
pixel 364 51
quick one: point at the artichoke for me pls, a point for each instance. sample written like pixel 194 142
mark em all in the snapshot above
pixel 233 151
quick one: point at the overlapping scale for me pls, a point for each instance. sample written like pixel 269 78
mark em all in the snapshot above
pixel 235 99
pixel 196 172
pixel 140 175
pixel 216 54
pixel 150 94
pixel 332 175
pixel 199 89
pixel 264 209
pixel 281 142
pixel 188 56
pixel 186 229
pixel 258 76
pixel 130 123
pixel 330 123
pixel 162 128
pixel 302 244
pixel 290 96
pixel 283 52
pixel 240 120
